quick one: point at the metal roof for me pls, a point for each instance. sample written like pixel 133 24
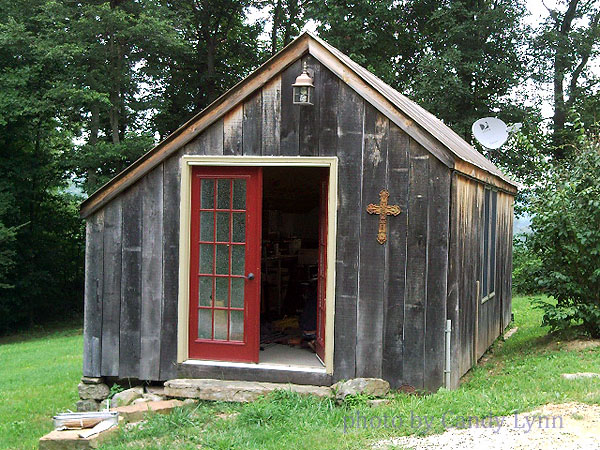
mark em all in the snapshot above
pixel 442 132
pixel 305 43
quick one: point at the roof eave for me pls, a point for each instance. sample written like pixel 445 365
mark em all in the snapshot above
pixel 193 127
pixel 305 43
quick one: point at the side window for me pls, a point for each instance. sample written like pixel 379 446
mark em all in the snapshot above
pixel 488 266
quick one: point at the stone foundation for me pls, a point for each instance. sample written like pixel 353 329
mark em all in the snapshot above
pixel 94 395
pixel 94 392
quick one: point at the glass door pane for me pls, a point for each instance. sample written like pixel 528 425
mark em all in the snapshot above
pixel 221 262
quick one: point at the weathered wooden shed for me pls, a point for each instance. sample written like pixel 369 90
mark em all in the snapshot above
pixel 361 220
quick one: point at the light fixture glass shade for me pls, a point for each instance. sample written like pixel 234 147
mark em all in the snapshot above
pixel 303 95
pixel 303 88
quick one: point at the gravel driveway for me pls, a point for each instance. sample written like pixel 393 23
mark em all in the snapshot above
pixel 580 430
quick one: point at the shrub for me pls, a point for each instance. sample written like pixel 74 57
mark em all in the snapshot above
pixel 566 238
pixel 527 267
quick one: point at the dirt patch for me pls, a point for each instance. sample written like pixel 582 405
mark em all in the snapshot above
pixel 554 343
pixel 497 367
pixel 566 426
pixel 579 344
pixel 227 416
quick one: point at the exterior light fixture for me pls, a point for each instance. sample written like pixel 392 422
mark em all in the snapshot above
pixel 303 88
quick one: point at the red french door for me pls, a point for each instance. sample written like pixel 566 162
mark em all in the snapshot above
pixel 322 270
pixel 225 263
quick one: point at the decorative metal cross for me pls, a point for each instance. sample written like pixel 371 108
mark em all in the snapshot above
pixel 383 210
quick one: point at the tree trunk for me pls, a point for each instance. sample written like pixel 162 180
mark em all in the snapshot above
pixel 563 28
pixel 210 69
pixel 560 114
pixel 114 95
pixel 293 10
pixel 276 25
pixel 93 139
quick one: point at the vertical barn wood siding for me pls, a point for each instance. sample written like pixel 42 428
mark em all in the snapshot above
pixel 475 325
pixel 389 314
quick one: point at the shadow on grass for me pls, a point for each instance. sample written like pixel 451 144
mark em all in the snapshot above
pixel 68 327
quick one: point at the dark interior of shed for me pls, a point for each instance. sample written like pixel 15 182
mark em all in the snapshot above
pixel 290 227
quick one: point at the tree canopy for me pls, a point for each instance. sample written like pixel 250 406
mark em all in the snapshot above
pixel 88 87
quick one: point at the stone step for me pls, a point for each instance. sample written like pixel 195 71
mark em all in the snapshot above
pixel 70 440
pixel 234 391
pixel 135 413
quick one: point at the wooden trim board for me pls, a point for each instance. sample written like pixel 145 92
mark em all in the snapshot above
pixel 196 125
pixel 235 96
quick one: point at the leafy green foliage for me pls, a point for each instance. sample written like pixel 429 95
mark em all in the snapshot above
pixel 44 246
pixel 563 48
pixel 566 238
pixel 213 48
pixel 527 267
pixel 86 88
pixel 94 165
pixel 457 59
pixel 7 239
pixel 115 389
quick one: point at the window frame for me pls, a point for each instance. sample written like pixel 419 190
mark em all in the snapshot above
pixel 489 242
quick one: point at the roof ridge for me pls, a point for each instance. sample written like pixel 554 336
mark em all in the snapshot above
pixel 399 103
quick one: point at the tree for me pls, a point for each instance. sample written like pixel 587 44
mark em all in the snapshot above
pixel 287 19
pixel 458 59
pixel 215 49
pixel 7 239
pixel 566 238
pixel 110 43
pixel 41 254
pixel 564 46
pixel 375 34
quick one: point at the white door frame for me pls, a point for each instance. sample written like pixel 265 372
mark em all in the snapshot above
pixel 187 163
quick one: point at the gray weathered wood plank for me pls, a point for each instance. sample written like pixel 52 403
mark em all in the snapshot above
pixel 437 273
pixel 232 131
pixel 290 113
pixel 152 280
pixel 308 121
pixel 92 321
pixel 328 108
pixel 452 287
pixel 393 340
pixel 111 304
pixel 370 305
pixel 416 271
pixel 271 117
pixel 170 268
pixel 131 284
pixel 350 120
pixel 209 142
pixel 213 139
pixel 252 125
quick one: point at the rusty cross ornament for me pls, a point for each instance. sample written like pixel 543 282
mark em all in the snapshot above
pixel 384 210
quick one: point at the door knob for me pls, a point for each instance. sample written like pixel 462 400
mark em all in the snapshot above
pixel 250 276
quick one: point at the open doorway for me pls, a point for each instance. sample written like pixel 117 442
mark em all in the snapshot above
pixel 294 225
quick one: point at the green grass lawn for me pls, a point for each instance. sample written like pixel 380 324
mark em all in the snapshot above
pixel 520 374
pixel 39 373
pixel 38 378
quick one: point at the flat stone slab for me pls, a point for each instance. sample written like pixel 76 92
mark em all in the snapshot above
pixel 70 440
pixel 93 391
pixel 375 387
pixel 235 391
pixel 580 375
pixel 135 413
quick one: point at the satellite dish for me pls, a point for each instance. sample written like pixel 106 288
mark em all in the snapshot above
pixel 514 127
pixel 490 132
